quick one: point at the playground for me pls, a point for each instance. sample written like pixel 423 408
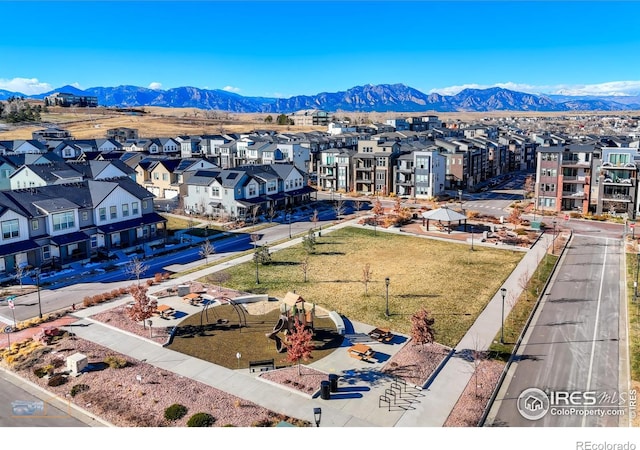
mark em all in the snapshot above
pixel 235 335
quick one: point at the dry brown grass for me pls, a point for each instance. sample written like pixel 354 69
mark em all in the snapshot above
pixel 93 122
pixel 448 279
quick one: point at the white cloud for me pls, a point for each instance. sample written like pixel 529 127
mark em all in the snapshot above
pixel 155 85
pixel 611 88
pixel 27 86
pixel 231 89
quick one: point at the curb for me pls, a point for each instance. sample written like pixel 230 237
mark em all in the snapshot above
pixel 46 396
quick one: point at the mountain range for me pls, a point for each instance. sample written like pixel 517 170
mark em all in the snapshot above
pixel 367 98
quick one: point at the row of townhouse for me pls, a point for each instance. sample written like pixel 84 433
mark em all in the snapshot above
pixel 241 192
pixel 420 165
pixel 599 175
pixel 57 225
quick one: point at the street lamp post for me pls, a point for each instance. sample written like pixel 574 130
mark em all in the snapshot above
pixel 503 291
pixel 472 230
pixel 289 224
pixel 37 273
pixel 317 415
pixel 386 282
pixel 553 249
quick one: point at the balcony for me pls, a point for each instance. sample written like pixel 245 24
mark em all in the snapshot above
pixel 364 169
pixel 571 194
pixel 616 197
pixel 361 180
pixel 575 179
pixel 618 182
pixel 404 170
pixel 625 166
pixel 576 164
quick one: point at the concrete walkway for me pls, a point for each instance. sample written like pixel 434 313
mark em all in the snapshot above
pixel 356 403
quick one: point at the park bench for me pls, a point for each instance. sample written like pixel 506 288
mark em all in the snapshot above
pixel 263 365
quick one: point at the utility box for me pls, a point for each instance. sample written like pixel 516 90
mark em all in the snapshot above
pixel 76 363
pixel 183 289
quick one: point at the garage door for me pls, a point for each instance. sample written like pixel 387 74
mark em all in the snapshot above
pixel 170 193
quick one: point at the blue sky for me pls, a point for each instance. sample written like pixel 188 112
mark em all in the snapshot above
pixel 281 49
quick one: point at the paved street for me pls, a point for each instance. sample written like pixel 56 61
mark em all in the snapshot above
pixel 577 341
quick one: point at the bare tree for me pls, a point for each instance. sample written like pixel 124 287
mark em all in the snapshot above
pixel 315 218
pixel 357 204
pixel 272 213
pixel 21 271
pixel 309 242
pixel 135 267
pixel 477 355
pixel 304 266
pixel 219 278
pixel 339 207
pixel 529 186
pixel 523 283
pixel 255 210
pixel 255 238
pixel 207 249
pixel 366 277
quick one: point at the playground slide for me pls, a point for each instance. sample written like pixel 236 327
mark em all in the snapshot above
pixel 282 322
pixel 280 345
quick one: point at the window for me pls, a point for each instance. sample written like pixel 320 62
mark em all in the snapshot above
pixel 85 216
pixel 125 210
pixel 145 204
pixel 134 208
pixel 156 176
pixel 34 225
pixel 165 177
pixel 215 192
pixel 63 221
pixel 102 212
pixel 10 229
pixel 252 191
pixel 46 252
pixel 94 241
pixel 113 212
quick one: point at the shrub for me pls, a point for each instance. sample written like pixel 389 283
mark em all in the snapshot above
pixel 201 420
pixel 57 380
pixel 115 362
pixel 175 412
pixel 157 277
pixel 87 301
pixel 42 371
pixel 79 388
pixel 149 282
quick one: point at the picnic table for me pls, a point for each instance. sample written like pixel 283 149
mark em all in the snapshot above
pixel 192 298
pixel 361 351
pixel 164 310
pixel 381 334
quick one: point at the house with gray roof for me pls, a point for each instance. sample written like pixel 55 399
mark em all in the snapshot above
pixel 55 225
pixel 235 193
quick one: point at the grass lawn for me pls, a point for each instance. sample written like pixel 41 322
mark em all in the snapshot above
pixel 220 343
pixel 174 223
pixel 448 279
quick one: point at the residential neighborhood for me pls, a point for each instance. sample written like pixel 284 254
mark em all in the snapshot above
pixel 91 210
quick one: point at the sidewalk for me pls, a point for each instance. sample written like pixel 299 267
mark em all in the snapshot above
pixel 359 406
